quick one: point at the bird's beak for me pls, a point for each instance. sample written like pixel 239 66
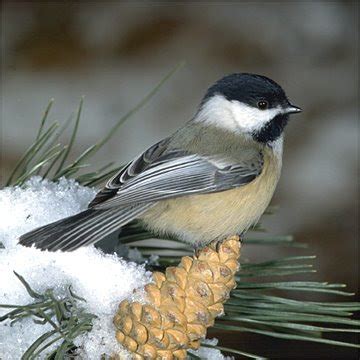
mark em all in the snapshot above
pixel 292 109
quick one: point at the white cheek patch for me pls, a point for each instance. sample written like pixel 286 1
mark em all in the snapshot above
pixel 250 118
pixel 217 111
pixel 234 115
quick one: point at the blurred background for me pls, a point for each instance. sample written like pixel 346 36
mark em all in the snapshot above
pixel 115 52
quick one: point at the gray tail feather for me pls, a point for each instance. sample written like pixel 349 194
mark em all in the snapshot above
pixel 85 228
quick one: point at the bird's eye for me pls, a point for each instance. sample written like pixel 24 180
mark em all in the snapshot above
pixel 262 104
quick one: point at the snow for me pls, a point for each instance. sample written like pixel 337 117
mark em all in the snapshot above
pixel 209 353
pixel 38 203
pixel 103 280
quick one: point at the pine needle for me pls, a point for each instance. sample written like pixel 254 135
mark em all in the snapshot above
pixel 37 158
pixel 65 315
pixel 72 139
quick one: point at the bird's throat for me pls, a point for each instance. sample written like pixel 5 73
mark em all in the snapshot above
pixel 272 130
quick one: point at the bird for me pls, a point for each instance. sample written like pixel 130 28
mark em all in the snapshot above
pixel 212 178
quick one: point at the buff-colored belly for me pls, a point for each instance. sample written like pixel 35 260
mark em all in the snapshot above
pixel 203 218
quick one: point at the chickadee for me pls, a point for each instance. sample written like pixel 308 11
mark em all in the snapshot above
pixel 212 178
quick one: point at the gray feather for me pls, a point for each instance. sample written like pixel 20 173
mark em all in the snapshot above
pixel 176 173
pixel 87 227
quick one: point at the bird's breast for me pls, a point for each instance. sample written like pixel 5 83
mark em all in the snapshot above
pixel 199 219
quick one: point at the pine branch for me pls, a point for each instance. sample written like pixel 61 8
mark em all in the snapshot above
pixel 253 307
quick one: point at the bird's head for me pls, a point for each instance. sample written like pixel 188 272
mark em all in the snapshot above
pixel 253 105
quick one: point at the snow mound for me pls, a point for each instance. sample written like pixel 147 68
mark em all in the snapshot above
pixel 38 203
pixel 103 280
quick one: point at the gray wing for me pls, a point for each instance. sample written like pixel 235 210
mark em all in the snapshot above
pixel 160 174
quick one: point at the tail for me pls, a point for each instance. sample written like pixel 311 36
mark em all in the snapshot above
pixel 85 228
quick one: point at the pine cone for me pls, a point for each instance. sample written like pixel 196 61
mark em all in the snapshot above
pixel 182 304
